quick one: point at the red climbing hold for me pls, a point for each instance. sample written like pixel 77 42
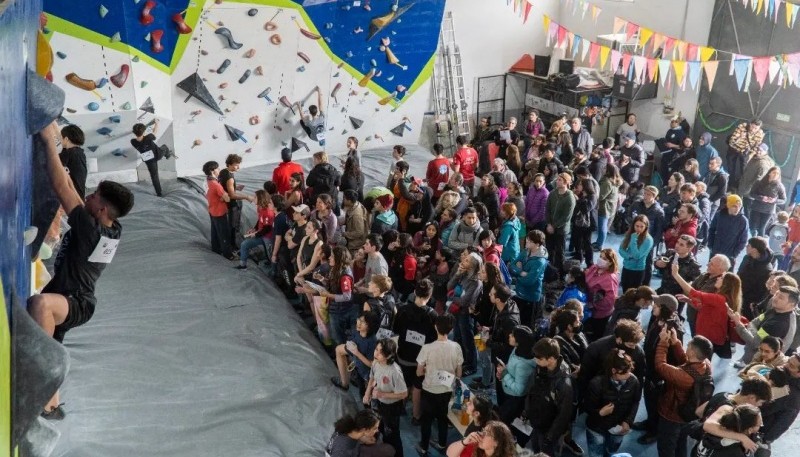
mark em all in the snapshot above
pixel 183 27
pixel 155 41
pixel 120 78
pixel 146 18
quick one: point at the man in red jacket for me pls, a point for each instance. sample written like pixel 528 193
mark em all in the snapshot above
pixel 285 170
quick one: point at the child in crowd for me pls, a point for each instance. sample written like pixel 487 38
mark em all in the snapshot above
pixel 440 363
pixel 261 234
pixel 380 300
pixel 360 349
pixel 218 210
pixel 387 388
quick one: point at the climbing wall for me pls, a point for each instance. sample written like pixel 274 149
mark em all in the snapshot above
pixel 231 82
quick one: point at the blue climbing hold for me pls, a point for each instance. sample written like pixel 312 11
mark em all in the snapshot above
pixel 103 131
pixel 93 106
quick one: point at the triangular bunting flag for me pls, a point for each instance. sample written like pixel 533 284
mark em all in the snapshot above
pixel 630 30
pixel 774 69
pixel 658 41
pixel 616 56
pixel 574 7
pixel 775 12
pixel 644 36
pixel 710 69
pixel 694 68
pixel 761 69
pixel 595 13
pixel 652 69
pixel 663 70
pixel 604 50
pixel 795 8
pixel 759 6
pixel 745 3
pixel 691 52
pixel 526 12
pixel 570 40
pixel 586 46
pixel 593 53
pixel 680 49
pixel 619 24
pixel 576 46
pixel 789 8
pixel 546 21
pixel 562 35
pixel 680 72
pixel 640 66
pixel 669 44
pixel 770 7
pixel 626 64
pixel 740 69
pixel 706 53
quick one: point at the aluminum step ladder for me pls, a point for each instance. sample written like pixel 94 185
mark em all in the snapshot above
pixel 450 96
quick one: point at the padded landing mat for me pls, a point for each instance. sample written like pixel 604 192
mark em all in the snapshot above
pixel 187 356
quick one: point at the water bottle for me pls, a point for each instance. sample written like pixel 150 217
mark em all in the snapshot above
pixel 457 400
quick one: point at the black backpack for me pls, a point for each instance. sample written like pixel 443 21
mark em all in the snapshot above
pixel 702 391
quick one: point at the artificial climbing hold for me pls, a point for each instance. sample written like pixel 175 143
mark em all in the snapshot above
pixel 203 52
pixel 223 85
pixel 122 76
pixel 259 70
pixel 135 59
pixel 183 27
pixel 244 76
pixel 146 17
pixel 225 33
pixel 250 53
pixel 224 66
pixel 265 95
pixel 301 68
pixel 356 123
pixel 275 39
pixel 126 106
pixel 103 11
pixel 235 134
pixel 115 38
pixel 118 153
pixel 307 33
pixel 93 106
pixel 270 26
pixel 105 131
pixel 72 110
pixel 92 148
pixel 400 88
pixel 335 91
pixel 373 62
pixel 304 57
pixel 367 78
pixel 387 99
pixel 254 120
pixel 196 143
pixel 194 85
pixel 252 12
pixel 61 55
pixel 143 84
pixel 116 119
pixel 284 100
pixel 155 41
pixel 102 83
pixel 85 84
pixel 399 130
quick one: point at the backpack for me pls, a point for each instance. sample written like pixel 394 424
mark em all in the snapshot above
pixel 505 273
pixel 702 391
pixel 474 234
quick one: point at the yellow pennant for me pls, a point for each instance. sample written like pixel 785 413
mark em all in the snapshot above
pixel 644 36
pixel 680 70
pixel 546 20
pixel 706 53
pixel 604 50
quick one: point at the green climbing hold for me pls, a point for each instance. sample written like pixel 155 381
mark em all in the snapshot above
pixel 103 11
pixel 135 59
pixel 126 106
pixel 115 38
pixel 144 84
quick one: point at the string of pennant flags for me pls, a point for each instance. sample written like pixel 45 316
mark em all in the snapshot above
pixel 665 56
pixel 766 8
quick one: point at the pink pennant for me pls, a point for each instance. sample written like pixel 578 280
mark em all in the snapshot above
pixel 691 52
pixel 626 64
pixel 652 69
pixel 562 35
pixel 594 52
pixel 761 68
pixel 526 12
pixel 710 68
pixel 639 65
pixel 616 56
pixel 630 30
pixel 669 44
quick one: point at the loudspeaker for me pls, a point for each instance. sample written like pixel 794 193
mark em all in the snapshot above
pixel 566 66
pixel 541 65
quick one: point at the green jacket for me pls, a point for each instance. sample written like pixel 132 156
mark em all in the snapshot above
pixel 559 208
pixel 607 200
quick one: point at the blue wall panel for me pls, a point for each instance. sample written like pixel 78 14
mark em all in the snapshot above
pixel 19 20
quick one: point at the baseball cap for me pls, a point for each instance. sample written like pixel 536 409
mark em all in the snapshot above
pixel 302 209
pixel 629 136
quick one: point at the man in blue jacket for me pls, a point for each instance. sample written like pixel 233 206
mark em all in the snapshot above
pixel 729 230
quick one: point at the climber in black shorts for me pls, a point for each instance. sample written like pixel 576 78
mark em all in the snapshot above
pixel 68 299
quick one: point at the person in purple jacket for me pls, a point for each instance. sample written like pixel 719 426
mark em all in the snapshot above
pixel 536 204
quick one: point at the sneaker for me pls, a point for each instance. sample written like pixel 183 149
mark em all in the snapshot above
pixel 422 452
pixel 739 365
pixel 647 439
pixel 639 426
pixel 55 414
pixel 241 267
pixel 439 447
pixel 573 447
pixel 338 383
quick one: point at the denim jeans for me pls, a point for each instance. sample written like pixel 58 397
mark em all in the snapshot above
pixel 250 243
pixel 602 230
pixel 485 366
pixel 462 334
pixel 342 322
pixel 602 444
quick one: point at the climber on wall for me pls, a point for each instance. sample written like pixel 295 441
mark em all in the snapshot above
pixel 68 299
pixel 151 154
pixel 314 124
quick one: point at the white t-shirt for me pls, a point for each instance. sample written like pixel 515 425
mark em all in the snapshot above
pixel 388 379
pixel 626 128
pixel 439 356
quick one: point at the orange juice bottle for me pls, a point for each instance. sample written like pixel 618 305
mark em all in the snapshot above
pixel 464 418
